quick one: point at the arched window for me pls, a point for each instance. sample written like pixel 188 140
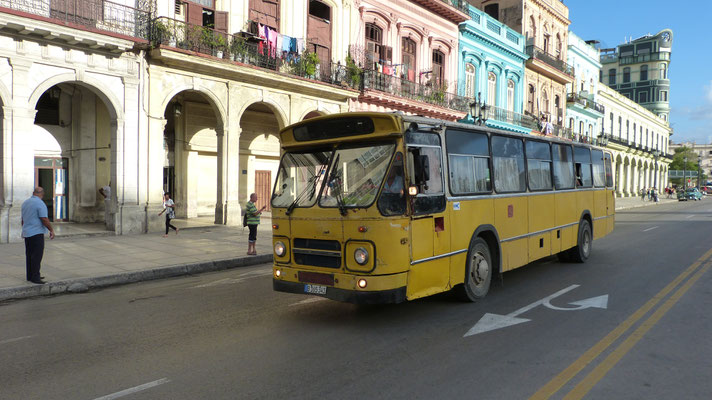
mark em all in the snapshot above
pixel 545 97
pixel 531 32
pixel 611 115
pixel 510 95
pixel 558 111
pixel 530 99
pixel 643 72
pixel 590 130
pixel 547 39
pixel 491 89
pixel 408 53
pixel 571 124
pixel 635 132
pixel 374 38
pixel 627 129
pixel 620 127
pixel 438 67
pixel 581 127
pixel 469 80
pixel 559 47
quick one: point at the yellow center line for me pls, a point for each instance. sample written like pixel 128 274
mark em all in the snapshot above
pixel 555 384
pixel 604 367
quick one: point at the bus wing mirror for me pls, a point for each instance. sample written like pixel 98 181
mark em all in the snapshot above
pixel 422 170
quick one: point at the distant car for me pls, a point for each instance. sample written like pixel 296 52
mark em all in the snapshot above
pixel 689 194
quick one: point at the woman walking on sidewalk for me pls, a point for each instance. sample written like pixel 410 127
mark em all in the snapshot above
pixel 252 215
pixel 169 205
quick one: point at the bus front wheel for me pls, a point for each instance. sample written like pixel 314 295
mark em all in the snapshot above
pixel 478 272
pixel 582 250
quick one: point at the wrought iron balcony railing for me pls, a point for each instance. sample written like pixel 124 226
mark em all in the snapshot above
pixel 510 117
pixel 427 93
pixel 234 48
pixel 101 15
pixel 585 102
pixel 539 54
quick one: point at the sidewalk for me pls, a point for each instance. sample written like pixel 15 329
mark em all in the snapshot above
pixel 76 264
pixel 634 202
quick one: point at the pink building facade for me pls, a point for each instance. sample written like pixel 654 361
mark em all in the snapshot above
pixel 408 51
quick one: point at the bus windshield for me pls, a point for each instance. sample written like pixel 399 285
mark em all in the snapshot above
pixel 355 175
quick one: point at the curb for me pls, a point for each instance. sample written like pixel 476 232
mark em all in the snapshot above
pixel 60 287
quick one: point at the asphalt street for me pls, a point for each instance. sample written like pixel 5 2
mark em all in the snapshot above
pixel 631 323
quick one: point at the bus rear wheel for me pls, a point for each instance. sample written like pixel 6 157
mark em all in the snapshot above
pixel 582 250
pixel 478 272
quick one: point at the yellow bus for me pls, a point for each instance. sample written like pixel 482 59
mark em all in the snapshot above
pixel 381 207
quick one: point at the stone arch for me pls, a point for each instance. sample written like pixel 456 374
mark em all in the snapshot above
pixel 259 150
pixel 276 108
pixel 87 162
pixel 5 97
pixel 379 18
pixel 212 97
pixel 312 114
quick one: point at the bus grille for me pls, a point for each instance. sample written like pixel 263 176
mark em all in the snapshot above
pixel 318 253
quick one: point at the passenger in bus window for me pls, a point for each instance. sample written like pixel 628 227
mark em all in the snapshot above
pixel 392 200
pixel 394 182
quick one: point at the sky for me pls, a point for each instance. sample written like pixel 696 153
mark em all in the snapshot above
pixel 612 21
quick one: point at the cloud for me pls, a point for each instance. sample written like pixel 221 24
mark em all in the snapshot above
pixel 708 92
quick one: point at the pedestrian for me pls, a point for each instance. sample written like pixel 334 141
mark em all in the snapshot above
pixel 35 223
pixel 642 194
pixel 169 208
pixel 252 215
pixel 655 194
pixel 105 191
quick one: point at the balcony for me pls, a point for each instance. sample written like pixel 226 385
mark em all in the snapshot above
pixel 509 117
pixel 425 93
pixel 539 54
pixel 99 16
pixel 456 11
pixel 585 102
pixel 170 33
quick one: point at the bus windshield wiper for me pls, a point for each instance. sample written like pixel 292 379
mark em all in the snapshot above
pixel 310 187
pixel 335 184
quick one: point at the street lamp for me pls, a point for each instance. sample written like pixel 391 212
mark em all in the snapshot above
pixel 656 154
pixel 684 172
pixel 699 171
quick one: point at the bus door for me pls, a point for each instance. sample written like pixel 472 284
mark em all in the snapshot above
pixel 429 226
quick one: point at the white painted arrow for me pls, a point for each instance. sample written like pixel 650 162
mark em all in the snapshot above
pixel 490 322
pixel 593 302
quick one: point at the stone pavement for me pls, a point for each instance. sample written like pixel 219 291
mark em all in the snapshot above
pixel 75 264
pixel 633 202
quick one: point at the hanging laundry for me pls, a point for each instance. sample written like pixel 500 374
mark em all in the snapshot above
pixel 279 43
pixel 293 45
pixel 286 43
pixel 411 75
pixel 300 45
pixel 272 38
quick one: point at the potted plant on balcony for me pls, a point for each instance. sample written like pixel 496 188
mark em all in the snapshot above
pixel 207 41
pixel 238 48
pixel 219 45
pixel 160 33
pixel 353 72
pixel 308 63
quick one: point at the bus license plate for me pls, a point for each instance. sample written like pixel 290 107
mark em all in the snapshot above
pixel 315 289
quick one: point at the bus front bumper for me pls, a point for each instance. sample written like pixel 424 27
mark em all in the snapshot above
pixel 383 289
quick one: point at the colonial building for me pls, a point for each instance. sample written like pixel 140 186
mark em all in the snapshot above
pixel 704 154
pixel 638 69
pixel 545 25
pixel 186 97
pixel 583 113
pixel 491 72
pixel 639 141
pixel 408 51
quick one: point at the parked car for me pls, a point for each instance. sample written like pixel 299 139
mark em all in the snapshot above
pixel 689 194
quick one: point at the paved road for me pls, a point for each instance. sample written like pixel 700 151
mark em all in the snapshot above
pixel 227 335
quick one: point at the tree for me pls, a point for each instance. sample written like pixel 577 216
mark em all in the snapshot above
pixel 678 159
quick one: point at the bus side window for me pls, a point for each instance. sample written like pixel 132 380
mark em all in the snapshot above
pixel 599 175
pixel 431 196
pixel 563 166
pixel 609 170
pixel 582 158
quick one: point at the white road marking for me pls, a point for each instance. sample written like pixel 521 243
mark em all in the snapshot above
pixel 134 389
pixel 309 300
pixel 650 229
pixel 17 339
pixel 690 216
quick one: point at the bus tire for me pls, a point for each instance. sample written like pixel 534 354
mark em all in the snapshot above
pixel 582 250
pixel 478 272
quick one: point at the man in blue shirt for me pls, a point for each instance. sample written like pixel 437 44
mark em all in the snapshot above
pixel 34 225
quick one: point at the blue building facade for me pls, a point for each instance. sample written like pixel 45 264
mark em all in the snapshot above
pixel 491 72
pixel 583 112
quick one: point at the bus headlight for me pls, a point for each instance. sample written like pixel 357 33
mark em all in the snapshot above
pixel 279 249
pixel 361 256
